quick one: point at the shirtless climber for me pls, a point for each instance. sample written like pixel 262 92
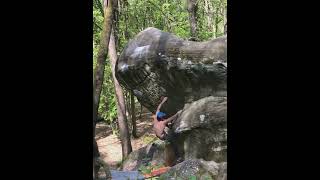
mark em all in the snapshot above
pixel 171 153
pixel 159 122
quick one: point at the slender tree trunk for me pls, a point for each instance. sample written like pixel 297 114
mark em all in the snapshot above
pixel 99 74
pixel 225 20
pixel 209 14
pixel 144 19
pixel 126 33
pixel 122 119
pixel 116 22
pixel 102 54
pixel 119 7
pixel 96 153
pixel 217 21
pixel 140 111
pixel 121 109
pixel 133 116
pixel 128 108
pixel 192 10
pixel 127 103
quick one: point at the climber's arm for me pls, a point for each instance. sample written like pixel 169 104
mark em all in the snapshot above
pixel 171 118
pixel 163 100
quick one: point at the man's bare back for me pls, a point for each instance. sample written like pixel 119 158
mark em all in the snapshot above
pixel 159 125
pixel 158 128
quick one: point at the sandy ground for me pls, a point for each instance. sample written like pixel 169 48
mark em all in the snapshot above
pixel 109 144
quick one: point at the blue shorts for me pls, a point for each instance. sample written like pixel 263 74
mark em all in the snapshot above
pixel 160 115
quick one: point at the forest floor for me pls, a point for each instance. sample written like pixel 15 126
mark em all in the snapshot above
pixel 110 146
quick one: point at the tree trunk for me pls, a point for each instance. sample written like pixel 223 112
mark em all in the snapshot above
pixel 126 33
pixel 116 17
pixel 122 119
pixel 133 116
pixel 225 20
pixel 98 76
pixel 209 14
pixel 121 100
pixel 192 10
pixel 102 54
pixel 140 114
pixel 127 101
pixel 217 21
pixel 96 153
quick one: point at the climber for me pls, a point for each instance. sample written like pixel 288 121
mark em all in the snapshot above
pixel 172 155
pixel 159 121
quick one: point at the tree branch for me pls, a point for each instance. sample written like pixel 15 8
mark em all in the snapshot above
pixel 96 24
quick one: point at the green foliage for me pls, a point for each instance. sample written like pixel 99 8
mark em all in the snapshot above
pixel 213 10
pixel 147 169
pixel 149 139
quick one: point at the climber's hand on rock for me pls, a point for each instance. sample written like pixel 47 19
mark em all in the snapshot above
pixel 164 98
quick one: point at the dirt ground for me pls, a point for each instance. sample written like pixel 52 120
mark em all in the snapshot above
pixel 109 144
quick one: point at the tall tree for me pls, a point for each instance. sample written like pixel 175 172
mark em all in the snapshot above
pixel 116 14
pixel 99 74
pixel 96 153
pixel 225 20
pixel 217 19
pixel 208 9
pixel 133 116
pixel 102 53
pixel 127 101
pixel 121 110
pixel 192 10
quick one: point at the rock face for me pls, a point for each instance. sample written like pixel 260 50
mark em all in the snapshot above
pixel 201 129
pixel 193 75
pixel 197 168
pixel 157 63
pixel 152 153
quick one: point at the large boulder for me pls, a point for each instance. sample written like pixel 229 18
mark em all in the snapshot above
pixel 193 75
pixel 201 130
pixel 202 170
pixel 153 153
pixel 156 63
